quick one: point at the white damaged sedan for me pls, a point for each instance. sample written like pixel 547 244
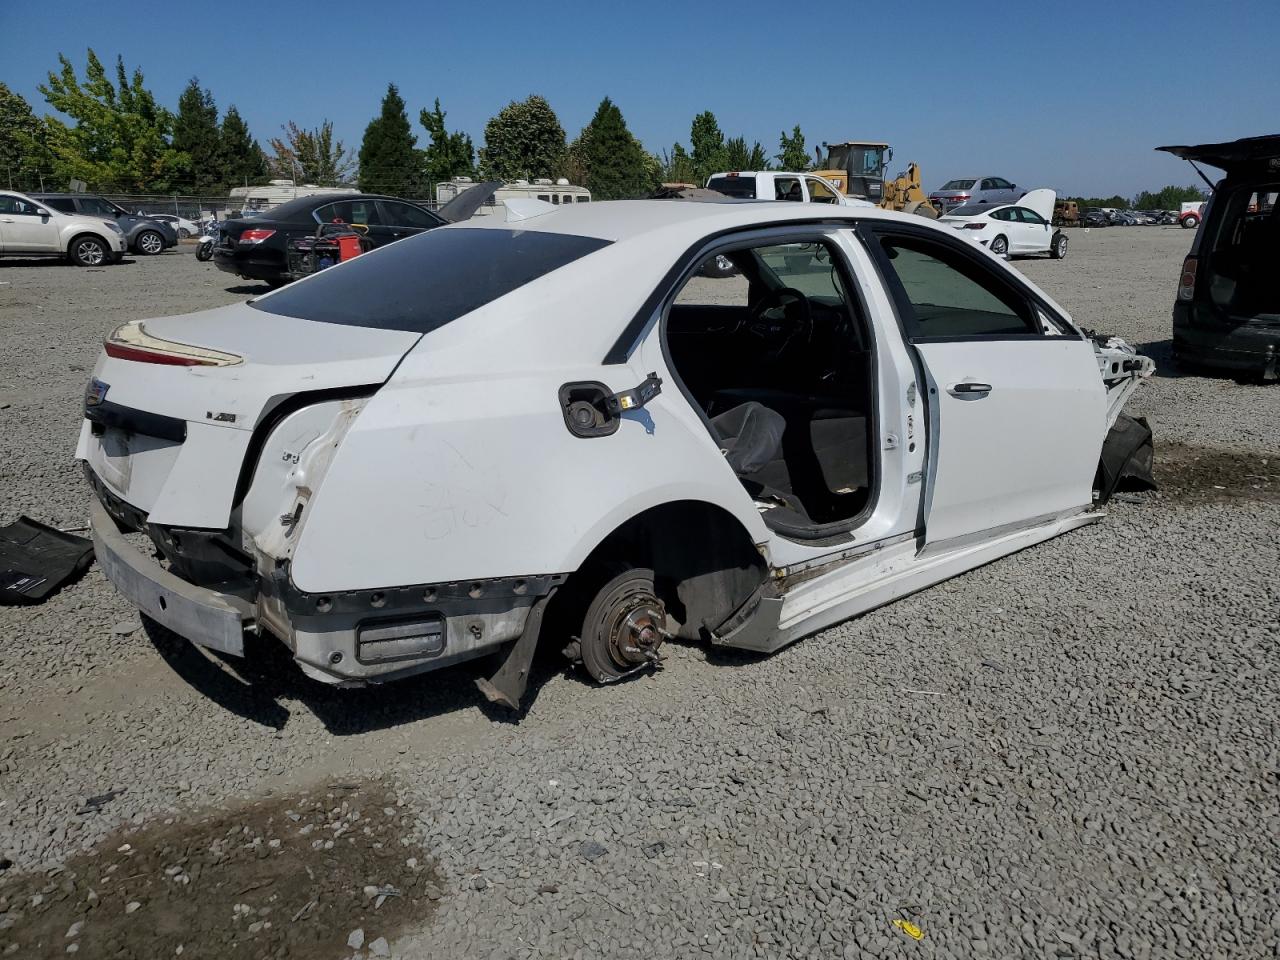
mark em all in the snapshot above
pixel 1012 229
pixel 551 424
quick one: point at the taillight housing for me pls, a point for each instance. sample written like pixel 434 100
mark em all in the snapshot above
pixel 1187 281
pixel 130 341
pixel 975 226
pixel 255 235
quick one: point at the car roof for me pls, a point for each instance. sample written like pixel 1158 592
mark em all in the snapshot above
pixel 687 221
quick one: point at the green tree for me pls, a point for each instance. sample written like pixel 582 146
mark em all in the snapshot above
pixel 196 136
pixel 736 154
pixel 1167 198
pixel 120 137
pixel 608 160
pixel 793 155
pixel 241 162
pixel 524 141
pixel 311 156
pixel 1112 201
pixel 677 166
pixel 449 155
pixel 707 140
pixel 23 154
pixel 390 161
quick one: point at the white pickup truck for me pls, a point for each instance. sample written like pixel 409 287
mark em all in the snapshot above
pixel 780 185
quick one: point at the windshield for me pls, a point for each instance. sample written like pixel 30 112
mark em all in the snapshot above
pixel 857 161
pixel 734 186
pixel 98 207
pixel 958 185
pixel 421 283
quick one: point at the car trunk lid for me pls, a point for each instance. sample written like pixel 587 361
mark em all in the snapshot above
pixel 169 434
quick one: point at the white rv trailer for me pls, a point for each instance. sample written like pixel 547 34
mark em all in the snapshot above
pixel 560 192
pixel 274 193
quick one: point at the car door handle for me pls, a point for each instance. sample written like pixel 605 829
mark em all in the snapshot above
pixel 967 390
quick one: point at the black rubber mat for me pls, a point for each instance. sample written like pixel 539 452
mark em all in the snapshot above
pixel 36 560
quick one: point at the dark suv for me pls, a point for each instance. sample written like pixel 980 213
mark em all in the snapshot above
pixel 1227 311
pixel 141 234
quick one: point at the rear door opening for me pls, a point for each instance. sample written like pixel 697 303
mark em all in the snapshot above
pixel 779 360
pixel 1242 251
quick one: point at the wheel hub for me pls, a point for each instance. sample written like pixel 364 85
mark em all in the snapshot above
pixel 637 631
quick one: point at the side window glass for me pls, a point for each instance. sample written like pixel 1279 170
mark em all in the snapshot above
pixel 787 188
pixel 407 215
pixel 952 296
pixel 819 192
pixel 364 211
pixel 20 207
pixel 64 204
pixel 8 204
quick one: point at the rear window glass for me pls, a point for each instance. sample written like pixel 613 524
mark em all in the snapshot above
pixel 734 186
pixel 970 209
pixel 958 185
pixel 421 283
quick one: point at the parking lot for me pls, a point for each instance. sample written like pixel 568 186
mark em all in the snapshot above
pixel 1071 752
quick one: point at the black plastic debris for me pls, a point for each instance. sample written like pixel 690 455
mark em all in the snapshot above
pixel 94 804
pixel 36 560
pixel 1127 458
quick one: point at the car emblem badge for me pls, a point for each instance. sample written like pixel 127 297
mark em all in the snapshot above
pixel 95 393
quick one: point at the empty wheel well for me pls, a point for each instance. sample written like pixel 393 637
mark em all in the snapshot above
pixel 704 562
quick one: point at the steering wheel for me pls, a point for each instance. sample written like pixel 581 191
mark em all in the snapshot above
pixel 781 318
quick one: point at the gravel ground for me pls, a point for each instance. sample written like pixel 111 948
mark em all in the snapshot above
pixel 1071 752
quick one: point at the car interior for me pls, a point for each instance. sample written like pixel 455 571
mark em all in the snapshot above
pixel 1245 252
pixel 778 357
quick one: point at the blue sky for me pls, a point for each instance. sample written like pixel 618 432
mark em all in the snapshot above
pixel 1072 96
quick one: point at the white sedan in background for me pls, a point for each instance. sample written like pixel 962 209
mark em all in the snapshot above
pixel 1021 228
pixel 181 225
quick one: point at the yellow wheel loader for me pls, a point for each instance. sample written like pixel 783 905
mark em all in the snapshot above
pixel 857 167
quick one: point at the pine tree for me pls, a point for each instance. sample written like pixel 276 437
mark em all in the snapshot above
pixel 197 137
pixel 524 141
pixel 241 162
pixel 449 155
pixel 708 146
pixel 389 159
pixel 610 162
pixel 677 166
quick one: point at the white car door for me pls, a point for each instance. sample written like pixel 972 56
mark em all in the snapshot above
pixel 1036 231
pixel 1022 235
pixel 1016 417
pixel 23 228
